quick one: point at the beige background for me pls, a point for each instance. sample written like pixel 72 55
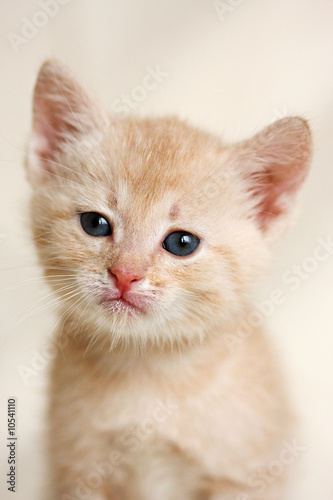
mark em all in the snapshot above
pixel 230 70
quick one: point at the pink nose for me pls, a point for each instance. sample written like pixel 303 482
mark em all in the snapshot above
pixel 124 277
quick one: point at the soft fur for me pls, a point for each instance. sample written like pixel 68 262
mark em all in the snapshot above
pixel 155 405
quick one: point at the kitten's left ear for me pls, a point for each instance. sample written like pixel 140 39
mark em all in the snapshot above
pixel 62 113
pixel 277 162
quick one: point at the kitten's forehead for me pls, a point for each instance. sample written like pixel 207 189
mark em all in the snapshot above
pixel 174 211
pixel 162 153
pixel 158 163
pixel 138 203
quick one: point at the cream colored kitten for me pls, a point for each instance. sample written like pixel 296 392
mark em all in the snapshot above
pixel 151 234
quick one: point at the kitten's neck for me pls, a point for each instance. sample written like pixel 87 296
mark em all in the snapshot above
pixel 130 356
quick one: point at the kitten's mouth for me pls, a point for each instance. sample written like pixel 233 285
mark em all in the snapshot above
pixel 120 304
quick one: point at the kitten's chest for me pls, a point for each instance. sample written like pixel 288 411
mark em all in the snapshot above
pixel 200 418
pixel 137 411
pixel 144 414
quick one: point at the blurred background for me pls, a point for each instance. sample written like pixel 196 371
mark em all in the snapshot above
pixel 230 67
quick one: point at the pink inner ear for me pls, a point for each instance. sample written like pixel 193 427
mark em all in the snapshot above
pixel 46 142
pixel 51 125
pixel 279 159
pixel 276 189
pixel 63 112
pixel 275 201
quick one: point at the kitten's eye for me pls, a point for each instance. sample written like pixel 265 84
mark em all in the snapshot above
pixel 181 243
pixel 95 224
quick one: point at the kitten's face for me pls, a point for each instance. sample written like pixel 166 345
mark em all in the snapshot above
pixel 149 228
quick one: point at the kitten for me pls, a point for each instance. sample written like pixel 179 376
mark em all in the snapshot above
pixel 151 234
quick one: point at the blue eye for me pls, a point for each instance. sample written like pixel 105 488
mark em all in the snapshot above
pixel 95 224
pixel 181 243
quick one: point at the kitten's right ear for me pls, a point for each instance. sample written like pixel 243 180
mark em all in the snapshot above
pixel 62 113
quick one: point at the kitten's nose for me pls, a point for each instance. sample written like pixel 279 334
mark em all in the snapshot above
pixel 124 277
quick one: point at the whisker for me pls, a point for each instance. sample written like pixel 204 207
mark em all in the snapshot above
pixel 41 279
pixel 30 311
pixel 59 320
pixel 26 312
pixel 56 300
pixel 67 311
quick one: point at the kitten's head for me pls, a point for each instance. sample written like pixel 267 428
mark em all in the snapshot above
pixel 151 229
